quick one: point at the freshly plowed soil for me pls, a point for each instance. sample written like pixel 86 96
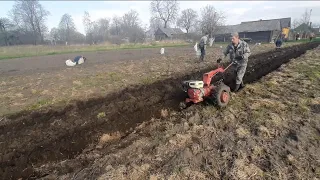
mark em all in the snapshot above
pixel 31 139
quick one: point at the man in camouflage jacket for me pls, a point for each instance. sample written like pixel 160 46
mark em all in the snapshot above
pixel 239 52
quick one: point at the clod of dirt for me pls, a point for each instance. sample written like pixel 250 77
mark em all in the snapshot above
pixel 315 108
pixel 242 132
pixel 105 138
pixel 79 83
pixel 164 113
pixel 243 170
pixel 195 119
pixel 264 132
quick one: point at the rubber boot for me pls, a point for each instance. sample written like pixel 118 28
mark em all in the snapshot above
pixel 241 86
pixel 201 58
pixel 237 87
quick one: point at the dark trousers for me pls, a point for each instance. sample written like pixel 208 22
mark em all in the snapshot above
pixel 203 53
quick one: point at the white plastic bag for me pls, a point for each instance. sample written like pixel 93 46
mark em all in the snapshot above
pixel 81 60
pixel 198 53
pixel 162 51
pixel 70 63
pixel 196 47
pixel 211 40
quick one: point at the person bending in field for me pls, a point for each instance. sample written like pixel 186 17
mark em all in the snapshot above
pixel 278 43
pixel 79 59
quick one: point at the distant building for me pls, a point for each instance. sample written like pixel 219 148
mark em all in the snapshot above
pixel 168 33
pixel 316 31
pixel 258 31
pixel 304 30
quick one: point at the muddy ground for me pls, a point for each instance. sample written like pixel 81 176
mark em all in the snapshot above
pixel 37 82
pixel 38 64
pixel 59 142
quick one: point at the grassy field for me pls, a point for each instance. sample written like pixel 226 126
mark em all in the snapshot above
pixel 42 50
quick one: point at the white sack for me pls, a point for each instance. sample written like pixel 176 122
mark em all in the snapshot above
pixel 162 51
pixel 196 47
pixel 70 63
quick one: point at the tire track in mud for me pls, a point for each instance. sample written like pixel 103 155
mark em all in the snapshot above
pixel 31 139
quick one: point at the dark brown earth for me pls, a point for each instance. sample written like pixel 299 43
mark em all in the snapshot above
pixel 50 63
pixel 32 139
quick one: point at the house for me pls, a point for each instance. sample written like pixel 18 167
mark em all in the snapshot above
pixel 258 31
pixel 316 31
pixel 149 35
pixel 304 30
pixel 168 33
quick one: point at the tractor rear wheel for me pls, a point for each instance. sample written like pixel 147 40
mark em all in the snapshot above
pixel 221 95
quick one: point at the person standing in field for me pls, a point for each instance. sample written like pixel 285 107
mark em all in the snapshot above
pixel 311 36
pixel 239 53
pixel 203 46
pixel 297 36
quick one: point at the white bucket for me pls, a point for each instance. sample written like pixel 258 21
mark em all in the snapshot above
pixel 162 51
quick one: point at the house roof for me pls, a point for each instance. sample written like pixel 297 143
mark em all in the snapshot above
pixel 255 26
pixel 263 25
pixel 171 31
pixel 303 28
pixel 284 22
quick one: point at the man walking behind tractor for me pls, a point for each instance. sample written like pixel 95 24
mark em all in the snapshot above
pixel 203 46
pixel 239 52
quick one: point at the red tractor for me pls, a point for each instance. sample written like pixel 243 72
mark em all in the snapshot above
pixel 199 91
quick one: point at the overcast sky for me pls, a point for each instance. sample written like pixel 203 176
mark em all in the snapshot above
pixel 235 11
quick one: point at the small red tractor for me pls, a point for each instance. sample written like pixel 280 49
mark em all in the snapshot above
pixel 198 91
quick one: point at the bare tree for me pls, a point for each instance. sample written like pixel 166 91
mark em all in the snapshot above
pixel 305 18
pixel 130 19
pixel 87 23
pixel 131 27
pixel 66 26
pixel 5 26
pixel 30 15
pixel 40 21
pixel 103 28
pixel 165 10
pixel 211 19
pixel 187 19
pixel 88 27
pixel 116 26
pixel 155 23
pixel 54 34
pixel 295 23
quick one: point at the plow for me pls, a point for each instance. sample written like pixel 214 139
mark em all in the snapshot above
pixel 199 91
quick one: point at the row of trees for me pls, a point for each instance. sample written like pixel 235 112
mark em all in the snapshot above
pixel 27 20
pixel 26 24
pixel 166 13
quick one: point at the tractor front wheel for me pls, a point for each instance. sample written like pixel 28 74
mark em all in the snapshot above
pixel 221 95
